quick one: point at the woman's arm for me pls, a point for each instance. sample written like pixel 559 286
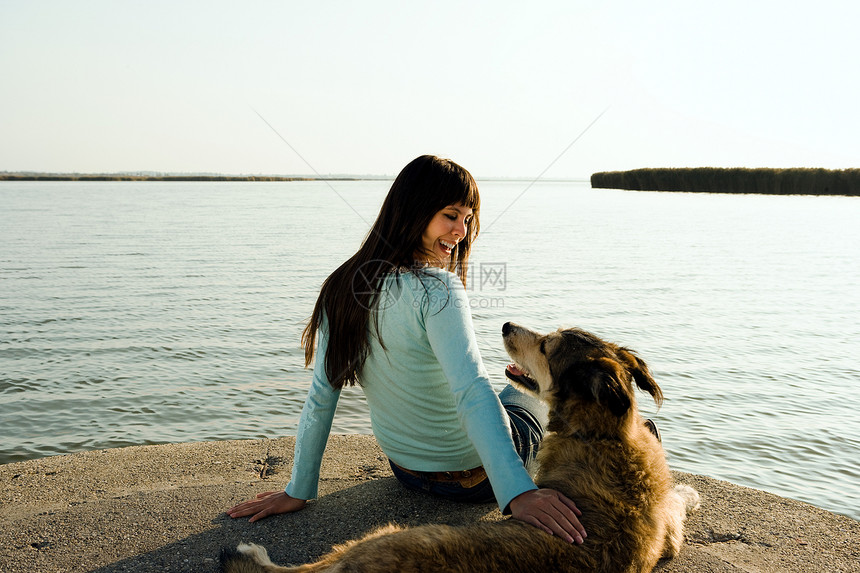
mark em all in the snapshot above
pixel 314 428
pixel 312 436
pixel 448 321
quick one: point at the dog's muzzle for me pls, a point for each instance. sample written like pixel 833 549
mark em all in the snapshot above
pixel 520 377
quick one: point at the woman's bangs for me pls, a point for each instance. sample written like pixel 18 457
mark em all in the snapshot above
pixel 472 199
pixel 464 191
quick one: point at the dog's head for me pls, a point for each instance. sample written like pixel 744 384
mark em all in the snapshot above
pixel 572 368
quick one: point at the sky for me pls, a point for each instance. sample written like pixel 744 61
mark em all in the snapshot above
pixel 556 89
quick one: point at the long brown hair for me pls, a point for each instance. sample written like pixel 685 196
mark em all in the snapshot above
pixel 347 298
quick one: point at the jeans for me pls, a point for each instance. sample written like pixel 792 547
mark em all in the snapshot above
pixel 528 416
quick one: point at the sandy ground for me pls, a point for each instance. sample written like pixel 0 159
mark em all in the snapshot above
pixel 161 508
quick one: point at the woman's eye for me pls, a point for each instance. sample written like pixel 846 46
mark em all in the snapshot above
pixel 452 217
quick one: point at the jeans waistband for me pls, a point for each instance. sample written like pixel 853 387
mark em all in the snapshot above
pixel 466 478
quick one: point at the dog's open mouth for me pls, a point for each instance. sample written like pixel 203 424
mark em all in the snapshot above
pixel 517 374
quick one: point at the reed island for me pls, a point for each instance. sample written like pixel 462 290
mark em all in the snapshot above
pixel 792 181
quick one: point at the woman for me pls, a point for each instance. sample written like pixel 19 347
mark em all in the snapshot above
pixel 395 319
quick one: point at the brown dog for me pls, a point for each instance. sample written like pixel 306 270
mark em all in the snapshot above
pixel 597 452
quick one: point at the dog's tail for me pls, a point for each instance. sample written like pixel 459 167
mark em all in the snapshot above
pixel 251 558
pixel 690 496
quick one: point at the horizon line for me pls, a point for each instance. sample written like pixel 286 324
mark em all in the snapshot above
pixel 155 175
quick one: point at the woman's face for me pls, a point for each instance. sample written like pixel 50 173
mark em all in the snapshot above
pixel 445 230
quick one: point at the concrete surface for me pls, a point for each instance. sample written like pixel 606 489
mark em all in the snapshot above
pixel 161 508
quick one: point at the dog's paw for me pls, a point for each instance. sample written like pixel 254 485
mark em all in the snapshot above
pixel 690 496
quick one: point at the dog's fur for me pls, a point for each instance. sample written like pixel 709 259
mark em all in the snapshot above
pixel 597 452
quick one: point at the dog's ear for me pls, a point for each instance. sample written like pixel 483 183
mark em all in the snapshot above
pixel 598 380
pixel 609 388
pixel 641 374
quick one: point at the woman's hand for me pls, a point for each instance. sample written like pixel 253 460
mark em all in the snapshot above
pixel 551 511
pixel 266 504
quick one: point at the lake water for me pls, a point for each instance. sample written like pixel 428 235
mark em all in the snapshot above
pixel 141 313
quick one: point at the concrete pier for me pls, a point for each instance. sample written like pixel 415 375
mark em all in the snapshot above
pixel 161 508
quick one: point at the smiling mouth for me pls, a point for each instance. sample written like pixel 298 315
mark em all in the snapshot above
pixel 520 376
pixel 446 246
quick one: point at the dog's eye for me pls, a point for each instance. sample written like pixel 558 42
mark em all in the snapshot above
pixel 543 346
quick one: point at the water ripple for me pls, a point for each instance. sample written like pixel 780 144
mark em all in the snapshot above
pixel 117 328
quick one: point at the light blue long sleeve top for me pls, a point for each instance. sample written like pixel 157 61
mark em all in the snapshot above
pixel 432 407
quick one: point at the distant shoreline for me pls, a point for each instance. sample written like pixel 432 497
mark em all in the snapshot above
pixel 129 177
pixel 28 176
pixel 794 181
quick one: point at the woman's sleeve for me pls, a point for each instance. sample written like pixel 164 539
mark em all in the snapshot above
pixel 314 427
pixel 448 321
